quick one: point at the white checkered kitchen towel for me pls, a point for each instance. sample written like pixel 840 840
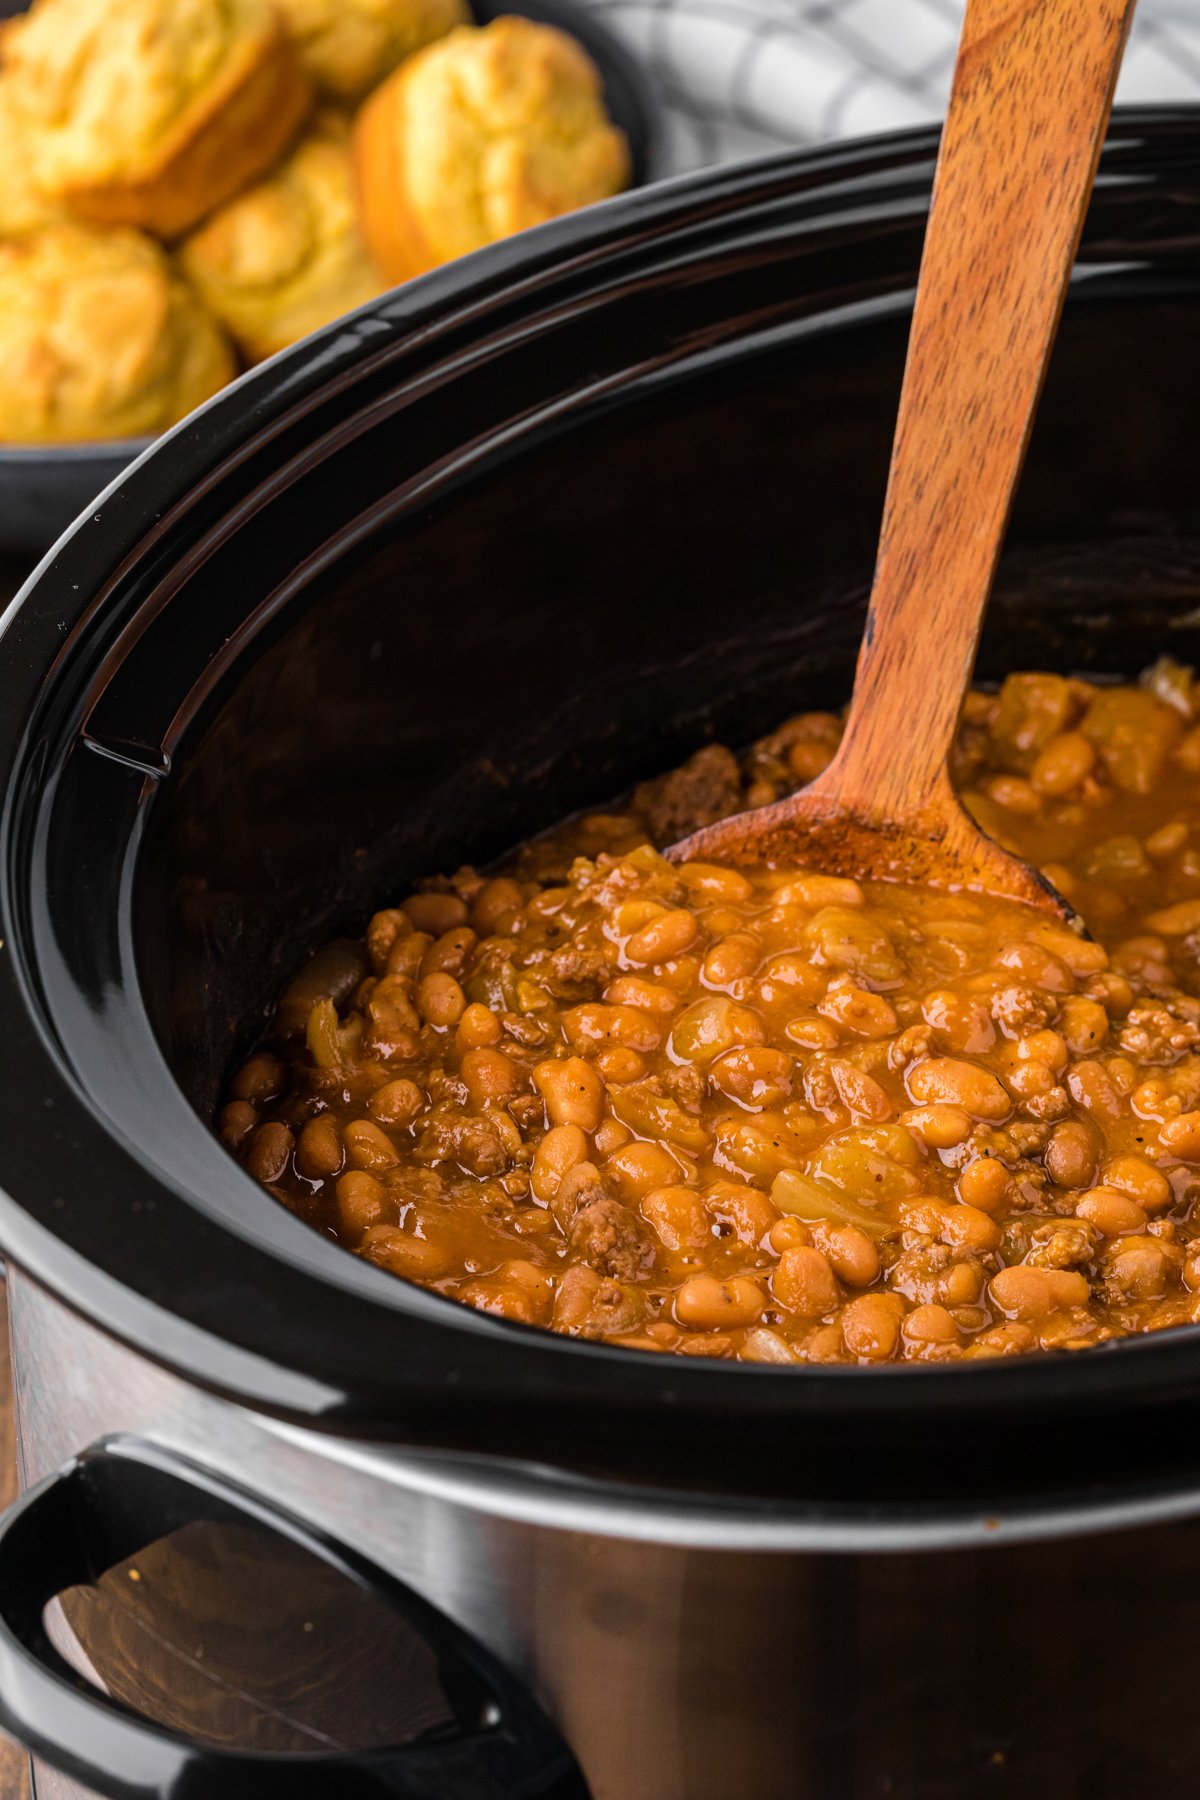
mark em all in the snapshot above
pixel 742 77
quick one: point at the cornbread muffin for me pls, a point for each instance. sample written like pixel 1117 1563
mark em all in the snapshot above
pixel 287 256
pixel 153 112
pixel 479 136
pixel 99 338
pixel 22 207
pixel 348 46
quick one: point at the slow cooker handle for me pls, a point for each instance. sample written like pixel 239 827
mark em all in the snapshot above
pixel 110 1504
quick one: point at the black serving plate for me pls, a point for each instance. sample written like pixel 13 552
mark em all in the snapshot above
pixel 43 487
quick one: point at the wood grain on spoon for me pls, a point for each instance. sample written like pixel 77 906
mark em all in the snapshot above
pixel 1031 99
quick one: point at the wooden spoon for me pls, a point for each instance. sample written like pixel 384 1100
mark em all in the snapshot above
pixel 1032 94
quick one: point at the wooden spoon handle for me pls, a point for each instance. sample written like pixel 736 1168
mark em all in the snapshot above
pixel 1031 99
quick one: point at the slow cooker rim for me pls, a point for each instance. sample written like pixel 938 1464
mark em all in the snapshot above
pixel 34 628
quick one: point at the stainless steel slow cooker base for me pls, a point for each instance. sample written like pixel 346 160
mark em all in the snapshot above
pixel 684 1671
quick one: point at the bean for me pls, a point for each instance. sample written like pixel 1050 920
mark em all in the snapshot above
pixel 504 1300
pixel 367 1147
pixel 861 1094
pixel 1084 1023
pixel 1091 1085
pixel 961 1285
pixel 435 912
pixel 1137 1177
pixel 871 1326
pixel 944 1080
pixel 732 958
pixel 744 1210
pixel 710 1027
pixel 633 1027
pixel 853 1257
pixel 361 1202
pixel 790 979
pixel 1112 1213
pixel 938 1127
pixel 478 1029
pixel 610 1135
pixel 859 1011
pixel 1177 920
pixel 804 1282
pixel 490 1076
pixel 962 1022
pixel 961 1226
pixel 1181 1136
pixel 572 1090
pixel 787 1232
pixel 808 758
pixel 1046 1047
pixel 1071 1154
pixel 561 1149
pixel 709 1304
pixel 618 1066
pixel 662 938
pixel 929 1325
pixel 820 890
pixel 639 1167
pixel 397 1103
pixel 754 1076
pixel 235 1123
pixel 1067 760
pixel 712 883
pixel 495 903
pixel 1014 794
pixel 440 1000
pixel 260 1079
pixel 408 953
pixel 635 990
pixel 1138 1267
pixel 450 953
pixel 1010 1339
pixel 983 1184
pixel 269 1150
pixel 1167 841
pixel 319 1149
pixel 382 932
pixel 1079 955
pixel 678 1217
pixel 1031 1293
pixel 415 1258
pixel 808 1031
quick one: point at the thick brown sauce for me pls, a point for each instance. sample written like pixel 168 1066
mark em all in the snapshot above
pixel 785 1118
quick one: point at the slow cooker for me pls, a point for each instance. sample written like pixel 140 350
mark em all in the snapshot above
pixel 503 541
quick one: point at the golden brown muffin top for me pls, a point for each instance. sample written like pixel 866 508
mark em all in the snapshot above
pixel 100 338
pixel 22 206
pixel 350 45
pixel 287 256
pixel 504 127
pixel 105 82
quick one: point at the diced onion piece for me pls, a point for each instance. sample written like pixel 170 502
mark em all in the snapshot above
pixel 763 1346
pixel 804 1198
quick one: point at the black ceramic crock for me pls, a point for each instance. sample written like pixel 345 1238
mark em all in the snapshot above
pixel 533 526
pixel 529 528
